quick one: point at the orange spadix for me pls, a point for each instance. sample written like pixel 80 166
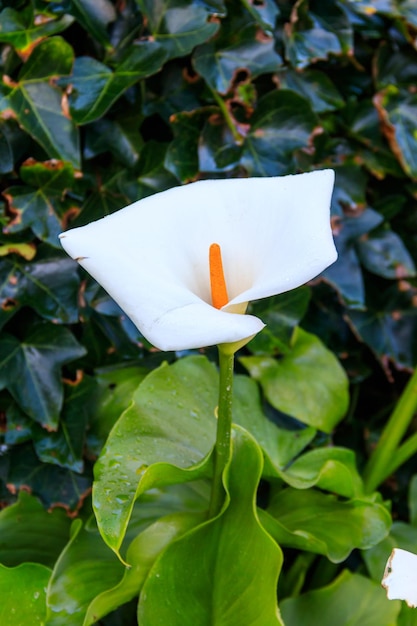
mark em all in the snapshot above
pixel 219 295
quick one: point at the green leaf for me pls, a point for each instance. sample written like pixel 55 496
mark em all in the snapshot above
pixel 313 85
pixel 54 485
pixel 141 555
pixel 331 469
pixel 313 521
pixel 31 370
pixel 222 572
pixel 374 150
pixel 85 568
pixel 312 35
pixel 37 105
pixel 49 286
pixel 66 446
pixel 182 158
pixel 281 314
pixel 95 87
pixel 389 332
pixel 30 533
pixel 384 253
pixel 152 174
pixel 94 16
pixel 282 123
pixel 22 591
pixel 280 446
pixel 117 386
pixel 398 113
pixel 153 441
pixel 178 25
pixel 255 56
pixel 265 13
pixel 351 600
pixel 307 383
pixel 20 30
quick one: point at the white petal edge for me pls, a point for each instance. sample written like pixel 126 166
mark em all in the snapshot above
pixel 400 577
pixel 152 256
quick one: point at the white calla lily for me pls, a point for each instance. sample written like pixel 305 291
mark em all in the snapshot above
pixel 152 257
pixel 400 577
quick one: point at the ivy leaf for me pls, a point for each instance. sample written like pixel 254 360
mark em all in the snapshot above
pixel 55 486
pixel 66 446
pixel 307 383
pixel 265 13
pixel 219 581
pixel 247 52
pixel 397 110
pixel 23 30
pixel 313 85
pixel 31 370
pixel 311 35
pixel 178 25
pixel 282 123
pixel 94 16
pixel 49 286
pixel 95 87
pixel 182 158
pixel 36 104
pixel 384 253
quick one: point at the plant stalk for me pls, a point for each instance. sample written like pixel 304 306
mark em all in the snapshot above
pixel 383 456
pixel 222 447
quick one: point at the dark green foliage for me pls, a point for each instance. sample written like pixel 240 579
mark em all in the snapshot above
pixel 103 103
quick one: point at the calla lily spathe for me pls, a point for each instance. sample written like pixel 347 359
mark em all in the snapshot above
pixel 400 577
pixel 152 256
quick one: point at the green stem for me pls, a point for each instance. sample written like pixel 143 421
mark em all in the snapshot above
pixel 222 447
pixel 386 449
pixel 228 118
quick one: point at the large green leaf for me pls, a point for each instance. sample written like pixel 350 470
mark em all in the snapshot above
pixel 31 369
pixel 313 521
pixel 141 555
pixel 36 103
pixel 170 425
pixel 280 446
pixel 351 600
pixel 178 25
pixel 223 572
pixel 307 383
pixel 30 533
pixel 282 123
pixel 22 591
pixel 85 568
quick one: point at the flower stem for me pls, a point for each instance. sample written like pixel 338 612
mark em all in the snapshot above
pixel 228 118
pixel 384 455
pixel 222 447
